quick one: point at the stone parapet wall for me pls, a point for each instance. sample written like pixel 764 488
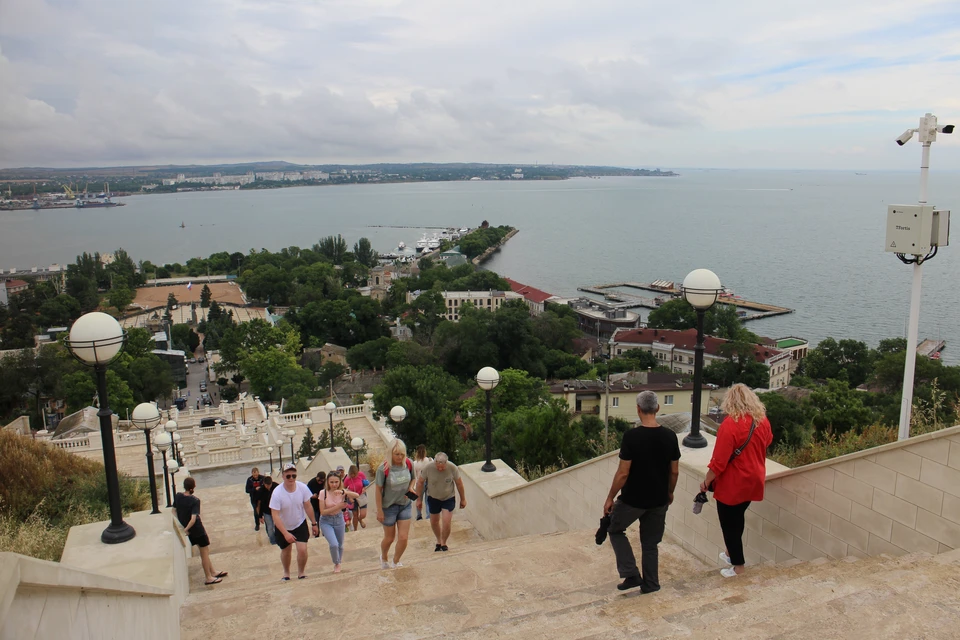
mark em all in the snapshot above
pixel 899 498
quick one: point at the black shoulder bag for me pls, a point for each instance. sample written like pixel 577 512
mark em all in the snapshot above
pixel 738 450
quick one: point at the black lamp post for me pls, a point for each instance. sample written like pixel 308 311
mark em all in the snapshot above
pixel 700 288
pixel 330 408
pixel 146 416
pixel 270 453
pixel 488 378
pixel 290 433
pixel 163 442
pixel 96 340
pixel 280 453
pixel 174 467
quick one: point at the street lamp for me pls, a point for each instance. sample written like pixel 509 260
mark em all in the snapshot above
pixel 488 379
pixel 171 428
pixel 397 414
pixel 280 452
pixel 96 340
pixel 356 444
pixel 146 416
pixel 290 433
pixel 701 288
pixel 174 467
pixel 163 441
pixel 330 408
pixel 270 453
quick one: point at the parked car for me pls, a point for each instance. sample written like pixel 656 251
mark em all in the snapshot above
pixel 191 360
pixel 203 386
pixel 205 399
pixel 201 359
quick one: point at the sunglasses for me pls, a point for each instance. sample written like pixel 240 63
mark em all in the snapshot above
pixel 290 476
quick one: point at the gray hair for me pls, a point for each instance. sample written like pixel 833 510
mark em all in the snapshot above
pixel 440 458
pixel 647 401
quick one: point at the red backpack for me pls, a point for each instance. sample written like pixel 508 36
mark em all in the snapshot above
pixel 386 471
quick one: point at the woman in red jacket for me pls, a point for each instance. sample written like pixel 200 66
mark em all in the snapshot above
pixel 738 479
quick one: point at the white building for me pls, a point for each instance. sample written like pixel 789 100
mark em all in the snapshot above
pixel 454 300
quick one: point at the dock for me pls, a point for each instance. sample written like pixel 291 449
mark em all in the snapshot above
pixel 931 348
pixel 668 290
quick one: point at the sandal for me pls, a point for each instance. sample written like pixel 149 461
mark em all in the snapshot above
pixel 438 548
pixel 214 581
pixel 444 548
pixel 301 577
pixel 285 579
pixel 222 574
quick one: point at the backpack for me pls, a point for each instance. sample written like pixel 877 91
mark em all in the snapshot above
pixel 386 471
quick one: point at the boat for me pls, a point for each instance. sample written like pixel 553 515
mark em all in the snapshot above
pixel 401 246
pixel 422 243
pixel 183 226
pixel 433 243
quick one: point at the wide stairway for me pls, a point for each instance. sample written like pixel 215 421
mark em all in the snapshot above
pixel 548 586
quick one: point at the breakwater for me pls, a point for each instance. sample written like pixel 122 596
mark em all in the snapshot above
pixel 491 250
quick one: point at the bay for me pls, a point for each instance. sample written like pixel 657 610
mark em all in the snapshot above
pixel 808 240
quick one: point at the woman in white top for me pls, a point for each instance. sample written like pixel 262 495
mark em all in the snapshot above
pixel 420 460
pixel 334 500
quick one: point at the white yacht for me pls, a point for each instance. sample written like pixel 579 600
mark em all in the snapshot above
pixel 422 243
pixel 401 246
pixel 433 243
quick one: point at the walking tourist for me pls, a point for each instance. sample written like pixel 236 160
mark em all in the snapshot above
pixel 738 469
pixel 395 482
pixel 316 485
pixel 263 508
pixel 440 477
pixel 334 502
pixel 291 509
pixel 188 513
pixel 420 460
pixel 253 484
pixel 646 477
pixel 357 482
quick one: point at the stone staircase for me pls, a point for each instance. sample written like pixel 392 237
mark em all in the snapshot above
pixel 549 586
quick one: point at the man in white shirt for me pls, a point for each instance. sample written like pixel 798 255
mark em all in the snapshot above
pixel 290 506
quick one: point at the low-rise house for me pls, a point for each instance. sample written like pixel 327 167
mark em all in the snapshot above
pixel 14 286
pixel 676 350
pixel 592 396
pixel 333 353
pixel 600 319
pixel 536 299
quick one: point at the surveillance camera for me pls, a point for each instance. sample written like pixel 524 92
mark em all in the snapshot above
pixel 947 128
pixel 905 137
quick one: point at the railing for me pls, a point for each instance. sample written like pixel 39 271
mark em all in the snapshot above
pixel 72 443
pixel 294 417
pixel 352 410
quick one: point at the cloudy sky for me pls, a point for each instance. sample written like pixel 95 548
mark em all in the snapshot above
pixel 785 84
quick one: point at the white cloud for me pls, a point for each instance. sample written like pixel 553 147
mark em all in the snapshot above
pixel 787 84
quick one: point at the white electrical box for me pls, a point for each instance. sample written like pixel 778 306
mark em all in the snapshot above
pixel 940 229
pixel 909 229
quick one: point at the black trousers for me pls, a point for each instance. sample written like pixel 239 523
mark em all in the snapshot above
pixel 652 524
pixel 731 524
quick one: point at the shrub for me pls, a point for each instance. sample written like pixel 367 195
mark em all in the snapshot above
pixel 831 445
pixel 47 491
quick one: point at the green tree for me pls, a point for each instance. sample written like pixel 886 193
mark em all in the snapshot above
pixel 334 248
pixel 185 338
pixel 120 297
pixel 791 421
pixel 308 446
pixel 205 296
pixel 429 394
pixel 60 311
pixel 838 408
pixel 172 302
pixel 846 359
pixel 364 253
pixel 371 354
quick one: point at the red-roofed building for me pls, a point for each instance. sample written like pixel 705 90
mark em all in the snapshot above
pixel 676 350
pixel 536 299
pixel 16 286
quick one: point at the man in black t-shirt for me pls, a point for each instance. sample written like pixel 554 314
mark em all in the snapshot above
pixel 315 485
pixel 263 507
pixel 647 475
pixel 253 486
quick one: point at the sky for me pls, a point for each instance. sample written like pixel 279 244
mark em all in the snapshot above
pixel 737 84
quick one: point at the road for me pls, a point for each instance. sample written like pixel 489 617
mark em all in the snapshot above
pixel 197 373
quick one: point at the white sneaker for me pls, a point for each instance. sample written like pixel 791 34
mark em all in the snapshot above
pixel 386 565
pixel 724 558
pixel 729 572
pixel 396 566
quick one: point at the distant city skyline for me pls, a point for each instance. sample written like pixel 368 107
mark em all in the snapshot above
pixel 788 85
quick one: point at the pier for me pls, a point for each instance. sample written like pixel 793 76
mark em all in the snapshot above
pixel 931 348
pixel 668 291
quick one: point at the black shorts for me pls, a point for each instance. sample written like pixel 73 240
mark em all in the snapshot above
pixel 199 539
pixel 301 533
pixel 435 506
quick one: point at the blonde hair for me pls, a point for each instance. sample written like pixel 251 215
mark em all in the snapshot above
pixel 326 483
pixel 740 401
pixel 421 453
pixel 398 445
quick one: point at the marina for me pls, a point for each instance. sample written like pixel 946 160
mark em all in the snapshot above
pixel 930 348
pixel 746 309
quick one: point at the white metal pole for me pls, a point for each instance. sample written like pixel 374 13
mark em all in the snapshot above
pixel 913 328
